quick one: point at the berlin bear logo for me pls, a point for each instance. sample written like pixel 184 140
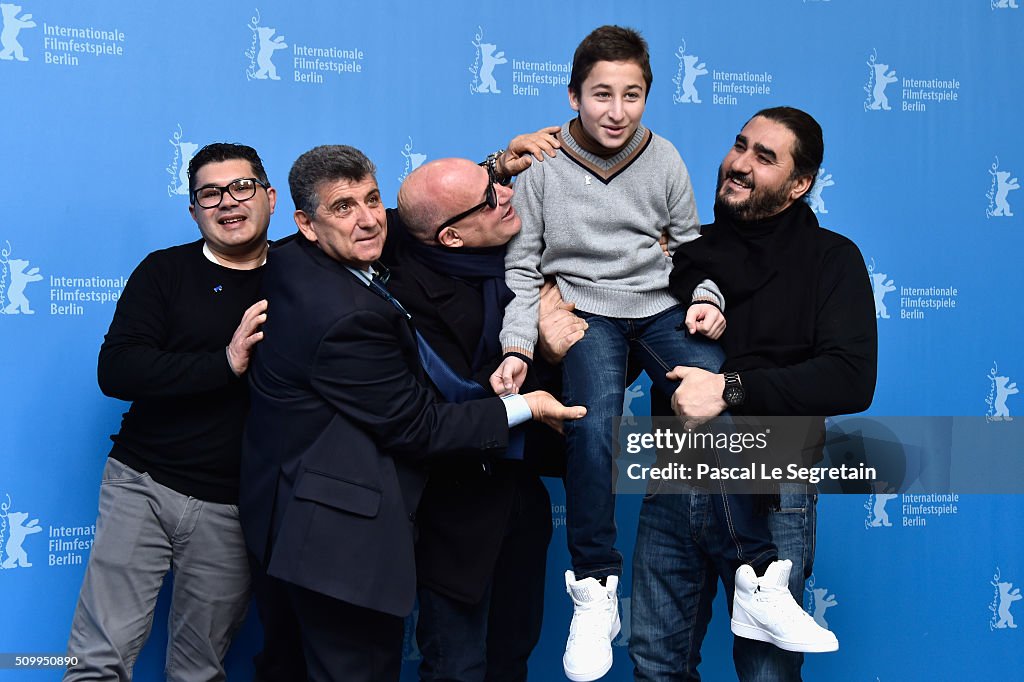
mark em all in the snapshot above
pixel 999 189
pixel 821 601
pixel 487 57
pixel 1004 184
pixel 692 70
pixel 15 275
pixel 879 76
pixel 188 150
pixel 880 287
pixel 413 160
pixel 1004 389
pixel 178 167
pixel 261 50
pixel 1005 595
pixel 814 199
pixel 17 530
pixel 882 78
pixel 690 67
pixel 12 27
pixel 1000 389
pixel 490 60
pixel 879 516
pixel 20 277
pixel 268 45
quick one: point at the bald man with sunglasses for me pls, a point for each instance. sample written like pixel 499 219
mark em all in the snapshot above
pixel 483 530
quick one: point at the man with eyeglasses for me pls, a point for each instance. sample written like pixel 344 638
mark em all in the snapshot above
pixel 481 551
pixel 169 493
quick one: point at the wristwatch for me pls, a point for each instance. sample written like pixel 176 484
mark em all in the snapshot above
pixel 491 163
pixel 733 394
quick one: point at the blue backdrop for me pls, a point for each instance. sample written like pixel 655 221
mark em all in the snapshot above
pixel 106 101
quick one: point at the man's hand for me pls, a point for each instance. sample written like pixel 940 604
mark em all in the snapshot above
pixel 509 376
pixel 548 410
pixel 517 157
pixel 246 336
pixel 558 327
pixel 706 319
pixel 699 396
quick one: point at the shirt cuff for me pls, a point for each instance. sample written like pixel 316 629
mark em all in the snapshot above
pixel 517 410
pixel 708 291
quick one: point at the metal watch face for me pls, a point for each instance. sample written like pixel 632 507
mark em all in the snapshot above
pixel 733 395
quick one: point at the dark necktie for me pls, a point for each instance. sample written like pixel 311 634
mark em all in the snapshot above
pixel 454 388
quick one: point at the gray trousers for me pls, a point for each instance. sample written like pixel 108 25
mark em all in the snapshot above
pixel 144 530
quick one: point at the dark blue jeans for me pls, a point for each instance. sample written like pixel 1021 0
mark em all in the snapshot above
pixel 682 550
pixel 594 375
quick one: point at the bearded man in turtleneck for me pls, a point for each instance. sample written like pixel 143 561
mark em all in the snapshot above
pixel 801 341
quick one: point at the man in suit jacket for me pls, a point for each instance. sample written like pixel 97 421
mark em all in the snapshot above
pixel 483 530
pixel 341 419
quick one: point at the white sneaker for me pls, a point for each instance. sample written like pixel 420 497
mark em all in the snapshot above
pixel 764 609
pixel 595 623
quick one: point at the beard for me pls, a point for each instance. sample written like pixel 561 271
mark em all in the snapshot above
pixel 761 202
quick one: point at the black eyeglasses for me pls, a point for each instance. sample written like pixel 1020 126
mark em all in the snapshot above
pixel 490 201
pixel 241 189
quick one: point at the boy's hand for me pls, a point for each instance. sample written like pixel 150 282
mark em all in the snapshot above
pixel 706 319
pixel 509 376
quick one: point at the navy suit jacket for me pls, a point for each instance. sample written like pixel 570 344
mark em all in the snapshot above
pixel 340 422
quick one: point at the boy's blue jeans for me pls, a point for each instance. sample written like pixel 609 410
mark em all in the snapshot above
pixel 594 374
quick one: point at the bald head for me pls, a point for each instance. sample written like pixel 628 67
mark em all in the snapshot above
pixel 430 194
pixel 438 191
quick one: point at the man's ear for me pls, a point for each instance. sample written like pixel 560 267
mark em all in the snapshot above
pixel 450 238
pixel 305 225
pixel 272 199
pixel 801 186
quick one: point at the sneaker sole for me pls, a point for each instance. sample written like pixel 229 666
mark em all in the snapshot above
pixel 591 675
pixel 600 671
pixel 753 632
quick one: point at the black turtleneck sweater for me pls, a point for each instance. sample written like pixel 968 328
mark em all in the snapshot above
pixel 801 318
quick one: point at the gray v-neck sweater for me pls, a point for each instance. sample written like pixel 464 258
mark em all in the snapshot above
pixel 594 225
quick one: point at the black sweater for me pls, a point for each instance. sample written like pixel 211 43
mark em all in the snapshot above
pixel 165 352
pixel 801 320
